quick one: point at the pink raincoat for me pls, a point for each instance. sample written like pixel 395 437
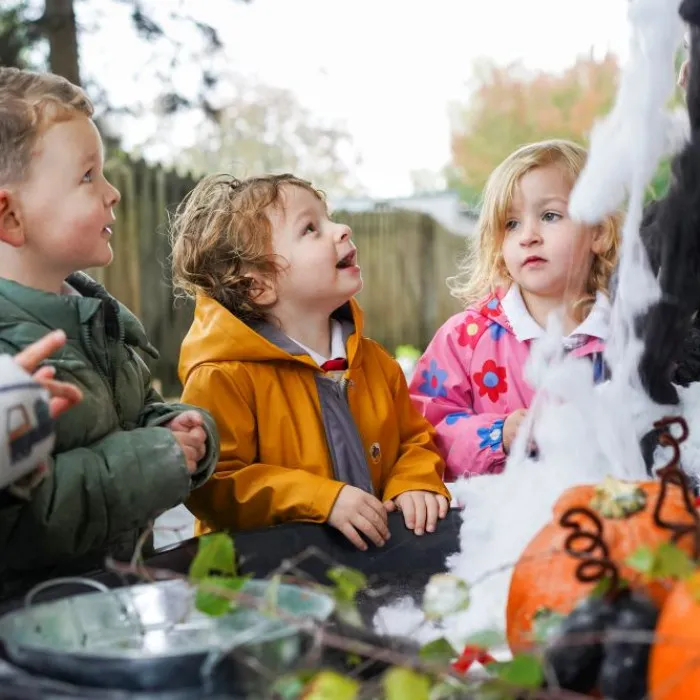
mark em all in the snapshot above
pixel 471 376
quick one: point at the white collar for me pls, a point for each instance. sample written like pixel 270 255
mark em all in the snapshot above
pixel 595 325
pixel 337 345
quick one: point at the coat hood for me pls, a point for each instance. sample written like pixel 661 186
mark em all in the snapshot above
pixel 216 335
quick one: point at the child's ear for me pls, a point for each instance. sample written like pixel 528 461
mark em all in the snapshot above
pixel 11 230
pixel 262 290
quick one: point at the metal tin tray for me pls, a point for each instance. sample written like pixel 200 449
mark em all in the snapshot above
pixel 150 636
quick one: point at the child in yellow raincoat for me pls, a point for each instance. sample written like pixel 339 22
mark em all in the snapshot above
pixel 315 419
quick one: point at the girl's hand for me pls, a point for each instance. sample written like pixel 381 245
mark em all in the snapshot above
pixel 511 426
pixel 421 509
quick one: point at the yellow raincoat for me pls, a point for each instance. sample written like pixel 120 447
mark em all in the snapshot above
pixel 286 431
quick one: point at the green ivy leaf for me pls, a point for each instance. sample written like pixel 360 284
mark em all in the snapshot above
pixel 492 690
pixel 353 659
pixel 345 607
pixel 666 561
pixel 486 639
pixel 346 610
pixel 270 600
pixel 328 685
pixel 405 684
pixel 290 687
pixel 216 555
pixel 448 688
pixel 603 586
pixel 523 671
pixel 673 562
pixel 642 560
pixel 215 605
pixel 347 582
pixel 439 651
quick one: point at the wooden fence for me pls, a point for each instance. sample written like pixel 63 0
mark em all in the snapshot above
pixel 405 258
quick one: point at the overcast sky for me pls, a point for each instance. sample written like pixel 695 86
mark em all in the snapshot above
pixel 387 69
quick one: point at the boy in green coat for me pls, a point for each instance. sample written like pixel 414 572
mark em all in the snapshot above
pixel 122 455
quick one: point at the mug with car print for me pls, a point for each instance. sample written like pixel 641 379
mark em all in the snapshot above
pixel 26 427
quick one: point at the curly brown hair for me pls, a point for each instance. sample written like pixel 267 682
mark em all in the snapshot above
pixel 29 104
pixel 221 232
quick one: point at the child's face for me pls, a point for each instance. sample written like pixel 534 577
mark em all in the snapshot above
pixel 319 260
pixel 546 253
pixel 65 204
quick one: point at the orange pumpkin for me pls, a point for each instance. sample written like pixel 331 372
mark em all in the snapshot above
pixel 674 665
pixel 544 578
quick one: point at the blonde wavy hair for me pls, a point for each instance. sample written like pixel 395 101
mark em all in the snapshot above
pixel 221 232
pixel 483 268
pixel 29 104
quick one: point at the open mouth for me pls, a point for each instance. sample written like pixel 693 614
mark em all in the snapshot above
pixel 348 261
pixel 107 230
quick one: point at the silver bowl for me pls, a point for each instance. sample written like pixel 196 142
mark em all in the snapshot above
pixel 151 637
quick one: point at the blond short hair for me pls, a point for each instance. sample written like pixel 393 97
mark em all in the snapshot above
pixel 29 104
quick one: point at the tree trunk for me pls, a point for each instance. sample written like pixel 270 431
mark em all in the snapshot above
pixel 61 31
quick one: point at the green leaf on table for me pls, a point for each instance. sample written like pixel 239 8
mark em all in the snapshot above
pixel 523 671
pixel 492 690
pixel 450 688
pixel 603 586
pixel 353 659
pixel 439 651
pixel 673 562
pixel 642 560
pixel 666 561
pixel 347 582
pixel 291 685
pixel 211 603
pixel 347 612
pixel 287 688
pixel 271 596
pixel 405 684
pixel 487 639
pixel 328 685
pixel 216 555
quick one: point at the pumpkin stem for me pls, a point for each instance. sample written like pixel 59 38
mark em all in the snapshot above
pixel 618 499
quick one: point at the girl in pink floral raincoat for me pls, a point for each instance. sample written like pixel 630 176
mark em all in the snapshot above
pixel 532 259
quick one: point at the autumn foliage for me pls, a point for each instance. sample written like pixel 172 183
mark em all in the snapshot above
pixel 512 106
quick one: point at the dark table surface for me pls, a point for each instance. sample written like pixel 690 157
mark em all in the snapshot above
pixel 402 567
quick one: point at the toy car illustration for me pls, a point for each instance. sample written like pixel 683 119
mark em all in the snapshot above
pixel 26 427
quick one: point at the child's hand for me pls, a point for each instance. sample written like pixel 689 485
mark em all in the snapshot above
pixel 421 509
pixel 356 511
pixel 511 426
pixel 63 395
pixel 188 431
